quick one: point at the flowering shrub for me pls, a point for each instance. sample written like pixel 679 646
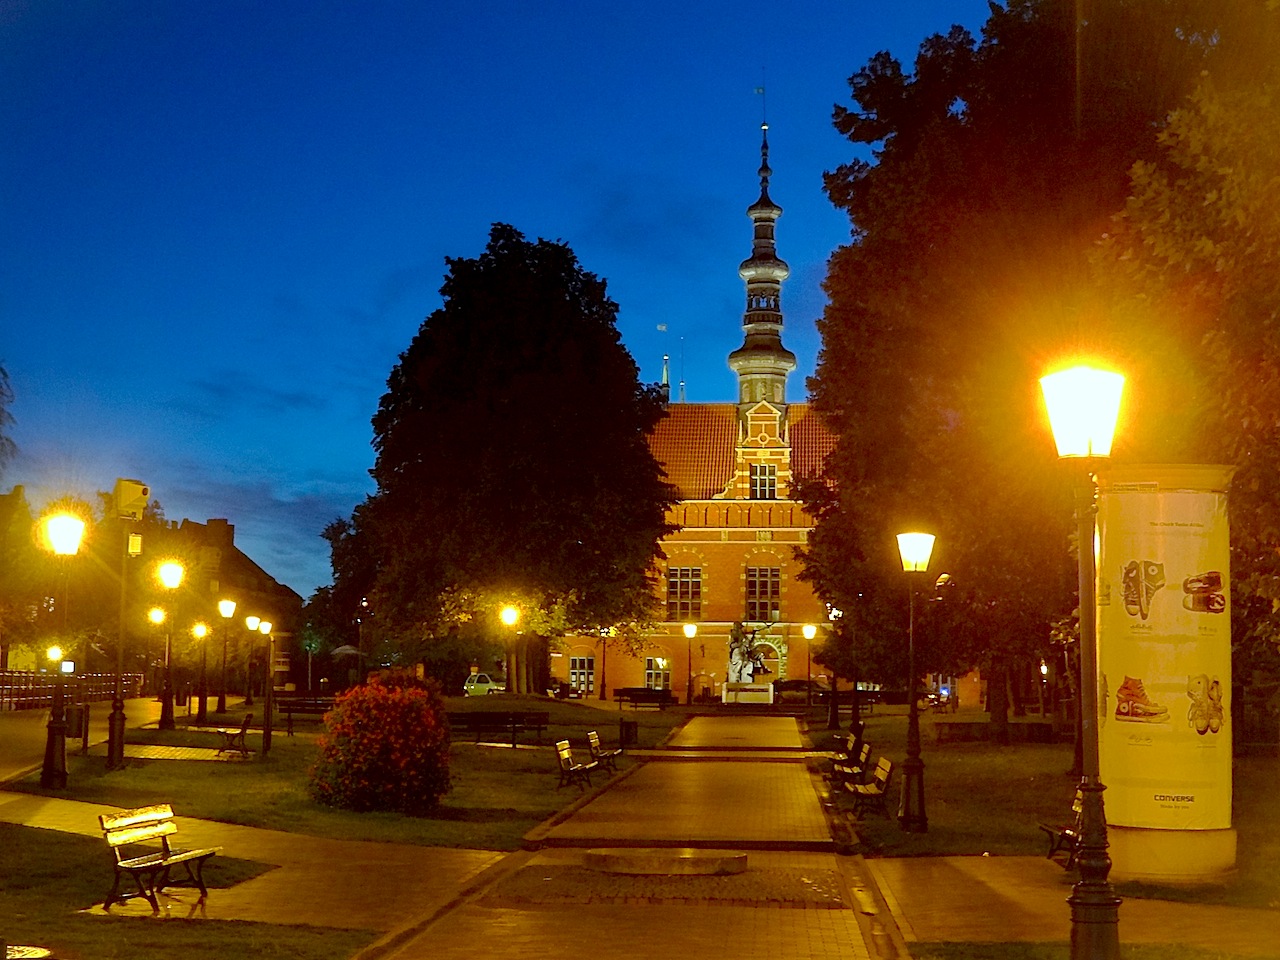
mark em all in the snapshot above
pixel 385 747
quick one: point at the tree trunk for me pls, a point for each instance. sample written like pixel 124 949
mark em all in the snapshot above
pixel 998 701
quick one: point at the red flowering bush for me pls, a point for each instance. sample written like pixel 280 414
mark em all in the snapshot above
pixel 385 747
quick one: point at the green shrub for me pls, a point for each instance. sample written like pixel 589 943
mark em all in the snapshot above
pixel 385 747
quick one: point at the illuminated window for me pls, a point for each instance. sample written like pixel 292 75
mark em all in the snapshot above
pixel 764 481
pixel 684 594
pixel 764 594
pixel 582 674
pixel 657 673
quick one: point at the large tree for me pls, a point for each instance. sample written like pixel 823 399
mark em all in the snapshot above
pixel 1196 255
pixel 993 170
pixel 7 447
pixel 512 461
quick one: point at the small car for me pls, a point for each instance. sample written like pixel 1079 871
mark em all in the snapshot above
pixel 797 691
pixel 481 685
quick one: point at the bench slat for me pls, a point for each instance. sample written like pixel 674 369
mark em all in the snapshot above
pixel 127 818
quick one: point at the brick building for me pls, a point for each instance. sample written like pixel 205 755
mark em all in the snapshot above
pixel 732 558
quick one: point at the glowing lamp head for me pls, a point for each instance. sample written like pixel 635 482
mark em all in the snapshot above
pixel 1083 405
pixel 226 609
pixel 200 631
pixel 155 615
pixel 690 630
pixel 170 574
pixel 809 631
pixel 264 627
pixel 509 615
pixel 54 654
pixel 251 623
pixel 915 550
pixel 62 533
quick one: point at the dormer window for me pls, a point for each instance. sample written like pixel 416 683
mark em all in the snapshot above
pixel 764 481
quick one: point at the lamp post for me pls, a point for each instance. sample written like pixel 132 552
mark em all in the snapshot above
pixel 809 631
pixel 53 773
pixel 157 617
pixel 226 610
pixel 1083 405
pixel 690 631
pixel 201 632
pixel 915 550
pixel 264 628
pixel 250 624
pixel 510 616
pixel 170 576
pixel 833 708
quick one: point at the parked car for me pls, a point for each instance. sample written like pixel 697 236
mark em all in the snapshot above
pixel 797 691
pixel 481 685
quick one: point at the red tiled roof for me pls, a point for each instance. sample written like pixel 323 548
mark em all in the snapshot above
pixel 695 444
pixel 810 440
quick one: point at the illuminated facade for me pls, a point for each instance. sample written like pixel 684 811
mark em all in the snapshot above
pixel 733 557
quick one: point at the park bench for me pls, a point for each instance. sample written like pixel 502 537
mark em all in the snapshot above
pixel 606 758
pixel 233 738
pixel 302 706
pixel 505 722
pixel 1066 836
pixel 124 830
pixel 644 697
pixel 875 793
pixel 851 770
pixel 570 770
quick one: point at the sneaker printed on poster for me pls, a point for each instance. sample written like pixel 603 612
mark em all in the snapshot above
pixel 1204 593
pixel 1139 581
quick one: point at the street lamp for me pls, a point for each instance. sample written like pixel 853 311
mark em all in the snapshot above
pixel 170 576
pixel 915 550
pixel 833 707
pixel 53 773
pixel 250 624
pixel 226 610
pixel 510 616
pixel 201 632
pixel 690 631
pixel 1083 405
pixel 809 631
pixel 264 628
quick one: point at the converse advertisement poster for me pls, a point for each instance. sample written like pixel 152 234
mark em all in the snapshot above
pixel 1164 647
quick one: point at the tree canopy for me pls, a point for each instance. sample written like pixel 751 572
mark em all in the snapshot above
pixel 512 461
pixel 7 446
pixel 985 179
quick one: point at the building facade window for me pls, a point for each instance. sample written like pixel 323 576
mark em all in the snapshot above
pixel 764 594
pixel 657 673
pixel 764 481
pixel 684 594
pixel 582 674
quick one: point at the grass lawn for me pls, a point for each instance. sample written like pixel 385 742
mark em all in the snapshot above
pixel 982 798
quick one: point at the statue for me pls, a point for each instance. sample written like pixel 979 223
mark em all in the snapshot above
pixel 745 661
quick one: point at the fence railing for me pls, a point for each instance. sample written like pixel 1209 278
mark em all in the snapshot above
pixel 25 690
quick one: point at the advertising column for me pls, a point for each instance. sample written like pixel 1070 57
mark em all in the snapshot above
pixel 1164 661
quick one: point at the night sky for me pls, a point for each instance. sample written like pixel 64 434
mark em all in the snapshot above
pixel 221 222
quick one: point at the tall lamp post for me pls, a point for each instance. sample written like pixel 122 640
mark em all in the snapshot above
pixel 833 708
pixel 53 773
pixel 201 632
pixel 250 624
pixel 226 610
pixel 690 631
pixel 170 576
pixel 915 550
pixel 809 631
pixel 264 628
pixel 510 616
pixel 1083 405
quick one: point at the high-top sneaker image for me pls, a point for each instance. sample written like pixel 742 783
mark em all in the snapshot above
pixel 1215 706
pixel 1139 581
pixel 1133 704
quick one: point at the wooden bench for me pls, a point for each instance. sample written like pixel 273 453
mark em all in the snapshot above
pixel 150 871
pixel 644 697
pixel 606 758
pixel 570 770
pixel 852 770
pixel 233 739
pixel 1066 836
pixel 490 722
pixel 302 706
pixel 875 793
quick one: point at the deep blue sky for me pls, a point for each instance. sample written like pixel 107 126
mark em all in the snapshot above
pixel 221 222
